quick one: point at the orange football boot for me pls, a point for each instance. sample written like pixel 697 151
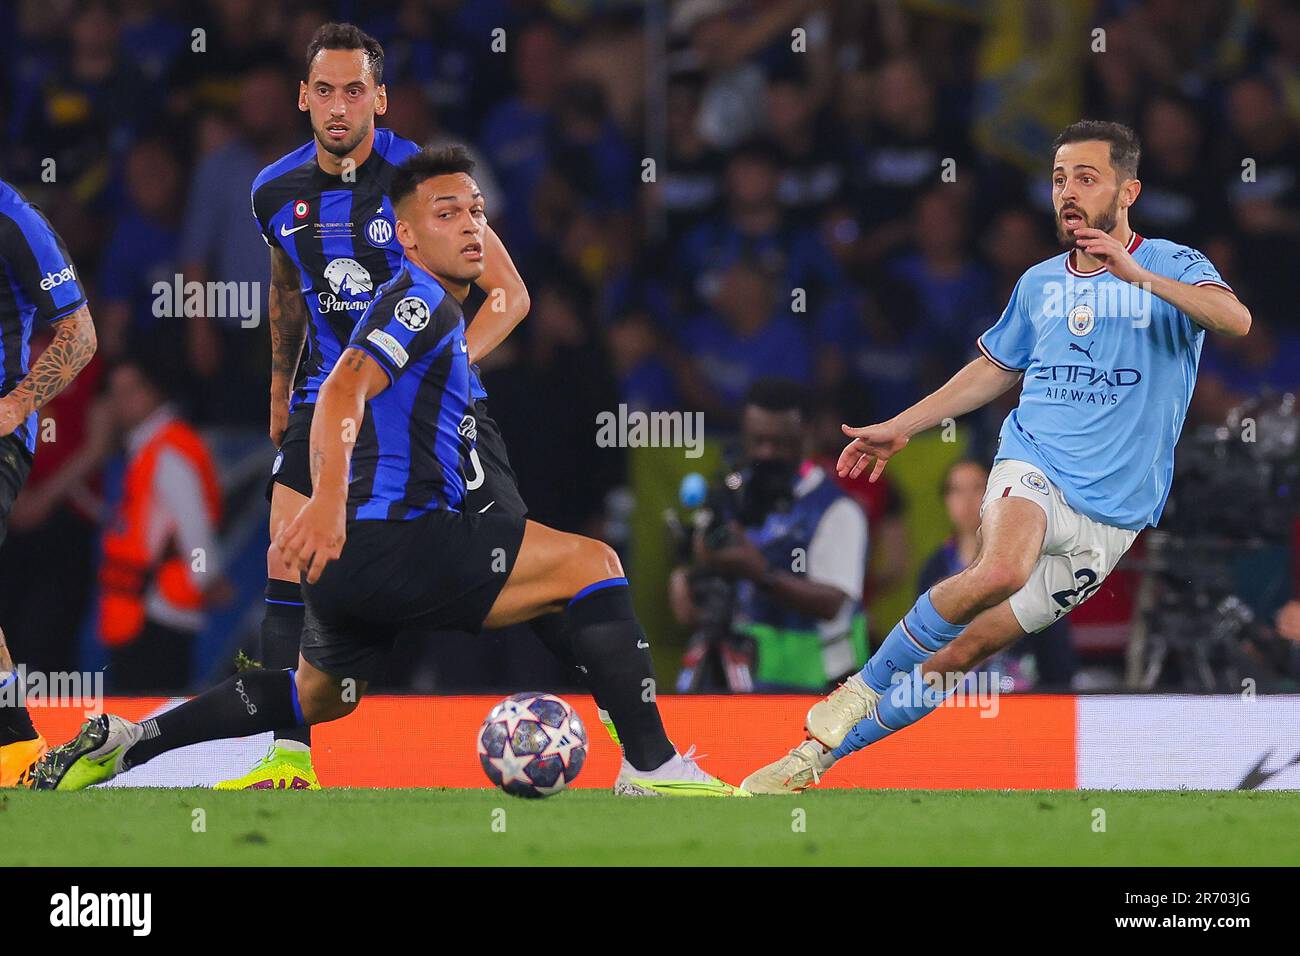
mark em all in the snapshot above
pixel 16 761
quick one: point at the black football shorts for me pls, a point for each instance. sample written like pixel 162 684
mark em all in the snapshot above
pixel 15 466
pixel 441 571
pixel 291 467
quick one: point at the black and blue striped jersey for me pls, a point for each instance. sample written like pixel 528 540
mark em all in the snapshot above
pixel 408 455
pixel 37 278
pixel 340 233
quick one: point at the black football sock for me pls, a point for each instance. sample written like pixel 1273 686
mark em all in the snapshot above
pixel 249 703
pixel 281 636
pixel 552 630
pixel 609 643
pixel 15 722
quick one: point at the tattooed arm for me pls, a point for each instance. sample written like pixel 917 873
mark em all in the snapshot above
pixel 315 537
pixel 287 312
pixel 72 347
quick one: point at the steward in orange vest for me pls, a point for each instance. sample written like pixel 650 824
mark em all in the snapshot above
pixel 147 568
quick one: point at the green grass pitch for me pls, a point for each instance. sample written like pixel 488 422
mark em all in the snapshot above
pixel 460 827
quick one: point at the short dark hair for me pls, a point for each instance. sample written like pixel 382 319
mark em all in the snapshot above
pixel 1125 149
pixel 962 462
pixel 426 164
pixel 154 365
pixel 346 36
pixel 774 394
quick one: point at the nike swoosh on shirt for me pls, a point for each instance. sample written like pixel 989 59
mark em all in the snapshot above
pixel 487 506
pixel 290 232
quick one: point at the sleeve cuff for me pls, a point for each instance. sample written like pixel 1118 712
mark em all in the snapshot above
pixel 380 358
pixel 989 355
pixel 64 313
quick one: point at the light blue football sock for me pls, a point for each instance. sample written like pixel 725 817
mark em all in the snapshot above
pixel 906 701
pixel 920 633
pixel 894 672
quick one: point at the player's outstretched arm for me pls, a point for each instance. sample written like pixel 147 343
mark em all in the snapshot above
pixel 507 299
pixel 72 348
pixel 315 537
pixel 287 312
pixel 873 445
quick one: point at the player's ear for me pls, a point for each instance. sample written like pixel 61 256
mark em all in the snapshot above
pixel 381 100
pixel 1130 192
pixel 302 96
pixel 404 234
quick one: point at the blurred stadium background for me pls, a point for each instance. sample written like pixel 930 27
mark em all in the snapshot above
pixel 794 221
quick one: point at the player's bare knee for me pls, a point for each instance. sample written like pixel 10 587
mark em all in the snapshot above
pixel 600 560
pixel 996 579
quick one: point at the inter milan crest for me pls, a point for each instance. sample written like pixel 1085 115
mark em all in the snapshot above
pixel 412 312
pixel 379 232
pixel 1081 320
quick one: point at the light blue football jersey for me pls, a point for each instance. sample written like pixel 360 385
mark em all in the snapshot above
pixel 1109 370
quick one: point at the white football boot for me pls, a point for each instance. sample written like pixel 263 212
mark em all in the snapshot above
pixel 794 773
pixel 679 776
pixel 831 718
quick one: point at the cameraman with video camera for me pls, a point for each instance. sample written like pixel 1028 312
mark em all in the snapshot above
pixel 772 589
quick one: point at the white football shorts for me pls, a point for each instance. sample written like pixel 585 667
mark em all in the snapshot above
pixel 1078 552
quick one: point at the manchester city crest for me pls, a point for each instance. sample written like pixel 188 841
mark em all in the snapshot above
pixel 1035 481
pixel 1081 320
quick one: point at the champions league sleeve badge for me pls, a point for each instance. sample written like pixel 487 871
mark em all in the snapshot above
pixel 412 312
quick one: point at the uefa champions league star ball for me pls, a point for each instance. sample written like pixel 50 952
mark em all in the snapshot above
pixel 532 745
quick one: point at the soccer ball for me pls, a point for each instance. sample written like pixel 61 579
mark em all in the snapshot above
pixel 532 745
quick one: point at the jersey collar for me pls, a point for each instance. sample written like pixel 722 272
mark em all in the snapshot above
pixel 335 180
pixel 1069 259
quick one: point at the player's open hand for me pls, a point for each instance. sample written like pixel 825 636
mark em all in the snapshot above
pixel 314 538
pixel 1110 252
pixel 872 446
